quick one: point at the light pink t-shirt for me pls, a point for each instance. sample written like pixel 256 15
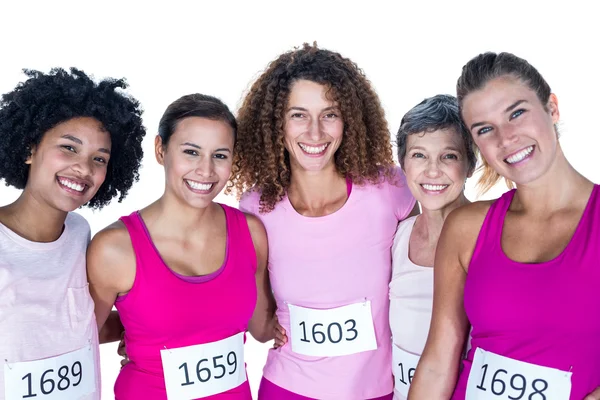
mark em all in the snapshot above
pixel 332 261
pixel 45 305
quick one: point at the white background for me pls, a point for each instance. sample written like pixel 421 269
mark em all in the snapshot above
pixel 409 50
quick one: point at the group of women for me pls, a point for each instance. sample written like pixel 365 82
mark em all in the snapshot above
pixel 366 294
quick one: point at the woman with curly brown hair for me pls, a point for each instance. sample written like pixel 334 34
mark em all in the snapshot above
pixel 315 157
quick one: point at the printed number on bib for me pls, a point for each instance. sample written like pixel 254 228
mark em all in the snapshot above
pixel 205 369
pixel 65 377
pixel 404 367
pixel 496 377
pixel 334 332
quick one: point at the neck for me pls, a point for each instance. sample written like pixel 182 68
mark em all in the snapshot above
pixel 176 218
pixel 315 188
pixel 430 222
pixel 557 189
pixel 33 219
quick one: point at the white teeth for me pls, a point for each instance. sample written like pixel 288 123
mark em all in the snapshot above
pixel 434 188
pixel 313 149
pixel 199 186
pixel 72 185
pixel 520 155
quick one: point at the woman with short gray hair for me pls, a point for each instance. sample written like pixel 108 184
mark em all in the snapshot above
pixel 437 155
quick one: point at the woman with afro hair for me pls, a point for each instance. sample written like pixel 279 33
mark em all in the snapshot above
pixel 315 159
pixel 67 142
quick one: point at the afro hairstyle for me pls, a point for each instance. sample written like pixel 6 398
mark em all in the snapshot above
pixel 46 100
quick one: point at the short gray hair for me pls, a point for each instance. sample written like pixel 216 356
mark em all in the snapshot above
pixel 432 114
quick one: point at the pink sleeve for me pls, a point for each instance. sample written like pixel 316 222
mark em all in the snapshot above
pixel 249 202
pixel 400 196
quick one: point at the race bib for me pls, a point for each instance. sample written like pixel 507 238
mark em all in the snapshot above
pixel 495 377
pixel 205 369
pixel 404 367
pixel 334 332
pixel 66 377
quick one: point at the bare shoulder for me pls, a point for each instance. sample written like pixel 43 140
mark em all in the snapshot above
pixel 461 230
pixel 111 249
pixel 468 218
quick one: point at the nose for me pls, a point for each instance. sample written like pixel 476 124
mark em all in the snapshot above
pixel 507 135
pixel 84 167
pixel 433 169
pixel 205 166
pixel 315 131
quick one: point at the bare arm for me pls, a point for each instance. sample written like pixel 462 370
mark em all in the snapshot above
pixel 261 325
pixel 111 271
pixel 112 329
pixel 438 368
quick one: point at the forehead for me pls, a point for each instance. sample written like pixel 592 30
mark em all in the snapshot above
pixel 198 129
pixel 88 130
pixel 308 92
pixel 436 140
pixel 494 98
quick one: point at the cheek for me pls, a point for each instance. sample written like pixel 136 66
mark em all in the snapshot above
pixel 457 171
pixel 411 170
pixel 223 168
pixel 335 130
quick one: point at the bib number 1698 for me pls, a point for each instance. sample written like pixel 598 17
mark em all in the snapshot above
pixel 495 377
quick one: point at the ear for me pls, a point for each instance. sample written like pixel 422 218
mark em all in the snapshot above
pixel 29 158
pixel 553 108
pixel 159 150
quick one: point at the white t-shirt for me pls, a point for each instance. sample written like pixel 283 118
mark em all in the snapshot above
pixel 45 306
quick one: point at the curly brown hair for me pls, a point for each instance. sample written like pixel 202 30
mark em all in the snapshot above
pixel 261 161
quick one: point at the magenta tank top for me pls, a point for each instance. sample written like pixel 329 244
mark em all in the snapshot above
pixel 547 314
pixel 166 310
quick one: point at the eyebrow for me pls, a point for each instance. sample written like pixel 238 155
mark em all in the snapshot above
pixel 445 148
pixel 514 105
pixel 78 141
pixel 304 109
pixel 200 148
pixel 508 109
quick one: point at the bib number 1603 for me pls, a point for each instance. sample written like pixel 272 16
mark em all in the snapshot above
pixel 332 332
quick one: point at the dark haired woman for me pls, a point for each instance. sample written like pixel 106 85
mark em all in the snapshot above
pixel 67 142
pixel 187 275
pixel 315 152
pixel 522 270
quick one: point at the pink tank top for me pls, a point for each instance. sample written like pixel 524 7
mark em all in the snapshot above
pixel 166 310
pixel 547 314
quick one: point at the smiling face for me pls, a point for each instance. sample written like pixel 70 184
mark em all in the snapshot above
pixel 313 127
pixel 69 164
pixel 197 159
pixel 513 129
pixel 436 167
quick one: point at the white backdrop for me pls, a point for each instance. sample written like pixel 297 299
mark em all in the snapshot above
pixel 408 50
